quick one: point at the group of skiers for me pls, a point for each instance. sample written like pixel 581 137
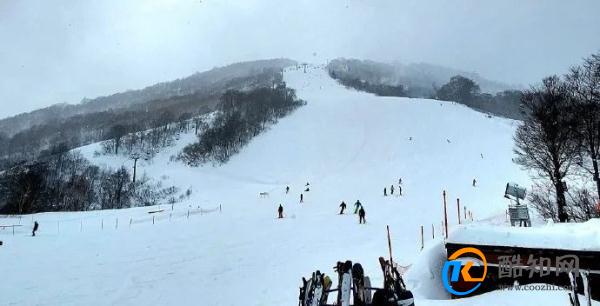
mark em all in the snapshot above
pixel 287 191
pixel 358 209
pixel 385 193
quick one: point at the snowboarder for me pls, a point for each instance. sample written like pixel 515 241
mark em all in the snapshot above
pixel 343 207
pixel 357 206
pixel 36 225
pixel 280 211
pixel 361 216
pixel 287 189
pixel 301 198
pixel 392 189
pixel 384 192
pixel 474 182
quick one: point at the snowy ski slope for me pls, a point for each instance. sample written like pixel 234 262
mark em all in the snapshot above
pixel 349 145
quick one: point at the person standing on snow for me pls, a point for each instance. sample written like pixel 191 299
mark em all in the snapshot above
pixel 357 206
pixel 343 207
pixel 280 211
pixel 399 190
pixel 361 216
pixel 36 225
pixel 287 189
pixel 392 190
pixel 301 198
pixel 384 192
pixel 474 182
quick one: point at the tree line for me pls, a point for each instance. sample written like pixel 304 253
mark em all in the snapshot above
pixel 559 141
pixel 463 90
pixel 241 116
pixel 379 89
pixel 459 89
pixel 66 181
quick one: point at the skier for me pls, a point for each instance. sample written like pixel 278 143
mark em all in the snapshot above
pixel 392 189
pixel 474 182
pixel 361 216
pixel 357 206
pixel 384 192
pixel 301 198
pixel 36 225
pixel 280 211
pixel 287 189
pixel 343 207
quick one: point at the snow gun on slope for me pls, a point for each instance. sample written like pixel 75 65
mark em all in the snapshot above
pixel 354 286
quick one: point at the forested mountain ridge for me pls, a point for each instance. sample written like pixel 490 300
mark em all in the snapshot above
pixel 428 81
pixel 415 77
pixel 205 82
pixel 29 136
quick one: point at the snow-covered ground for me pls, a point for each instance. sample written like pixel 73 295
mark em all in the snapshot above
pixel 349 145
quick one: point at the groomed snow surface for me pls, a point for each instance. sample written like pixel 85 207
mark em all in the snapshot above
pixel 349 145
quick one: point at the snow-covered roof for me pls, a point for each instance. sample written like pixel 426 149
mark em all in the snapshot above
pixel 565 236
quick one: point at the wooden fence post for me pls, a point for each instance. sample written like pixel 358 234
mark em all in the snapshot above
pixel 152 219
pixel 432 231
pixel 102 224
pixel 117 223
pixel 458 209
pixel 422 239
pixel 445 215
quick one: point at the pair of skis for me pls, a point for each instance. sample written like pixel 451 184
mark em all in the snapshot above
pixel 352 283
pixel 314 292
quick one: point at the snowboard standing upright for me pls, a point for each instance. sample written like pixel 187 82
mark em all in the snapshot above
pixel 345 285
pixel 358 275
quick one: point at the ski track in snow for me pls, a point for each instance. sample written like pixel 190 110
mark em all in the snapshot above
pixel 349 145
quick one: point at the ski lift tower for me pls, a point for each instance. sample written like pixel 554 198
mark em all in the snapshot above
pixel 518 212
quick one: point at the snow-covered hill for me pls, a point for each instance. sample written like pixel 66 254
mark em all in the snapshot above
pixel 349 145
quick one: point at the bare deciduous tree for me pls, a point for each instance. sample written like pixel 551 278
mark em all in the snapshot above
pixel 545 141
pixel 584 85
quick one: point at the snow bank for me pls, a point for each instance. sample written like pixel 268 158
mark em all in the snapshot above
pixel 568 236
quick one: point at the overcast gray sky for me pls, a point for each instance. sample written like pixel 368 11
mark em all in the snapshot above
pixel 62 51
